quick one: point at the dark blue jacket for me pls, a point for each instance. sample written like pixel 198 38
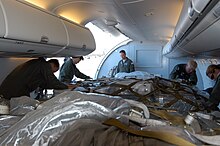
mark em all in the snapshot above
pixel 179 72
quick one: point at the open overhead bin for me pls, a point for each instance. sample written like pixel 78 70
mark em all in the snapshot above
pixel 35 32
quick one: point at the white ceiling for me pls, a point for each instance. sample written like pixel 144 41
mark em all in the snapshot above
pixel 142 20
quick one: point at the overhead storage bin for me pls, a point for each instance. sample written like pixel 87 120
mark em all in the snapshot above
pixel 30 30
pixel 29 24
pixel 205 36
pixel 207 42
pixel 196 16
pixel 178 52
pixel 2 21
pixel 25 49
pixel 80 39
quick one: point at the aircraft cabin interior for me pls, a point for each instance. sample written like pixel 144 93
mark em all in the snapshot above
pixel 160 34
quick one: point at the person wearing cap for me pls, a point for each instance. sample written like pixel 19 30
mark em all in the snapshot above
pixel 69 70
pixel 213 72
pixel 185 73
pixel 33 74
pixel 125 64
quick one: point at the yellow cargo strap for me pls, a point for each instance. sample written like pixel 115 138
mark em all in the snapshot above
pixel 167 137
pixel 176 120
pixel 216 131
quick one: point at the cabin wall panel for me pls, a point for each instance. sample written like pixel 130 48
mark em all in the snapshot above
pixel 30 24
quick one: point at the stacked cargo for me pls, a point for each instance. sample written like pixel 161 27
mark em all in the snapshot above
pixel 154 111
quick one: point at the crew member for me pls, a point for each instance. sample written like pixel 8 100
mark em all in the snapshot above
pixel 69 69
pixel 186 73
pixel 125 64
pixel 27 77
pixel 213 72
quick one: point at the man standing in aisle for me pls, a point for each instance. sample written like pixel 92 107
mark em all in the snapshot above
pixel 125 64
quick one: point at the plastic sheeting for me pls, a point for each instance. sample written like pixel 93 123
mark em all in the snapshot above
pixel 136 74
pixel 154 91
pixel 18 108
pixel 74 118
pixel 7 121
pixel 46 124
pixel 213 140
pixel 143 87
pixel 22 105
pixel 180 106
pixel 90 132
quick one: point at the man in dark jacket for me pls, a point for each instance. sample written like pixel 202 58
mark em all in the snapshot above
pixel 186 73
pixel 209 90
pixel 36 73
pixel 213 72
pixel 125 65
pixel 69 69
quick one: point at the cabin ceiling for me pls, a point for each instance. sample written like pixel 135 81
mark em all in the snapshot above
pixel 142 20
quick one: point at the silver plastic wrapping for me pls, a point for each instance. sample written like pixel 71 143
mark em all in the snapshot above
pixel 6 121
pixel 212 140
pixel 92 133
pixel 135 74
pixel 111 102
pixel 22 105
pixel 169 94
pixel 182 106
pixel 115 86
pixel 143 87
pixel 74 118
pixel 52 119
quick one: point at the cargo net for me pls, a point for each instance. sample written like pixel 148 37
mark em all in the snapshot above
pixel 158 93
